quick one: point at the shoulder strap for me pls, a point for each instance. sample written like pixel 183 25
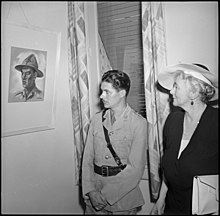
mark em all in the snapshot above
pixel 109 145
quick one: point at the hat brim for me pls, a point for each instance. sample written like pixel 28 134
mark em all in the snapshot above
pixel 20 67
pixel 167 78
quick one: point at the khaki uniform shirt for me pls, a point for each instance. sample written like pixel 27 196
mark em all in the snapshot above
pixel 128 136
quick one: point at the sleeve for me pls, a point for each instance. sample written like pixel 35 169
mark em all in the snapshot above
pixel 88 178
pixel 129 178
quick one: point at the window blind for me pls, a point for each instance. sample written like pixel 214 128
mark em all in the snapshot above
pixel 119 26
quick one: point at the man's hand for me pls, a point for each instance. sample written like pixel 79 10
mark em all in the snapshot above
pixel 97 199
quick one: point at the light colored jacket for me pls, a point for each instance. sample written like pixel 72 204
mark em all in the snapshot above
pixel 128 136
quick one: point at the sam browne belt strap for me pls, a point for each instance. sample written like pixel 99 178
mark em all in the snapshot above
pixel 109 170
pixel 109 145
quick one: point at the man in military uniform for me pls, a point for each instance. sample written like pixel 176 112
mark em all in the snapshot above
pixel 110 178
pixel 29 72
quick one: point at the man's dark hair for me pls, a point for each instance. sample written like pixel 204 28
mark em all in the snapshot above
pixel 119 80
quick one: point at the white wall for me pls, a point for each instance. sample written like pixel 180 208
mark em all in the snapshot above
pixel 38 168
pixel 192 33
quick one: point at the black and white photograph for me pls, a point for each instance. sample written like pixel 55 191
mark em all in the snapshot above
pixel 109 107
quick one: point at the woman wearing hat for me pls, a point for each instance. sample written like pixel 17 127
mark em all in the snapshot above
pixel 190 136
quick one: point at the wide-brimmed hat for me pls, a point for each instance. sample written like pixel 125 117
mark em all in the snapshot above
pixel 167 77
pixel 31 62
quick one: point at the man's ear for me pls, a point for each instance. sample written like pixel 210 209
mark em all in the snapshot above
pixel 194 94
pixel 122 93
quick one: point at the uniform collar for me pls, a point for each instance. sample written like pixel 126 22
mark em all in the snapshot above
pixel 119 122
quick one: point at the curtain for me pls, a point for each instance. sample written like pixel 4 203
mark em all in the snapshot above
pixel 78 80
pixel 104 62
pixel 157 107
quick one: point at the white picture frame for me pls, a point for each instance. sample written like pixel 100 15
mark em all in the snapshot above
pixel 19 41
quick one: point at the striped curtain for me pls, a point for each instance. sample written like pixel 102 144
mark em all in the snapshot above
pixel 104 62
pixel 78 80
pixel 157 106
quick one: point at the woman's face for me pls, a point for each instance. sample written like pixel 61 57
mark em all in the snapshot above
pixel 180 92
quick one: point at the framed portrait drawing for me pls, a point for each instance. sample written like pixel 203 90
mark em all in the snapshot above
pixel 30 64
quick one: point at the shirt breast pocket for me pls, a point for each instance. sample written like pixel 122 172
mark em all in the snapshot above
pixel 99 144
pixel 121 142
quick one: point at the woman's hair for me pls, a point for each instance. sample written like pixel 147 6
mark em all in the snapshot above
pixel 205 90
pixel 118 79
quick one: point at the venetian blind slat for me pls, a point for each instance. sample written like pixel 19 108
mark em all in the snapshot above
pixel 120 29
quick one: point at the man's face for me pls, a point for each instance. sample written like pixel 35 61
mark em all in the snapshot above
pixel 110 97
pixel 28 76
